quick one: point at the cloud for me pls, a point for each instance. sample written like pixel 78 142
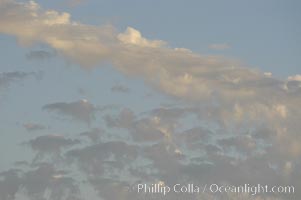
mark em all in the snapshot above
pixel 9 184
pixel 94 135
pixel 46 176
pixel 239 124
pixel 163 68
pixel 124 119
pixel 242 144
pixel 6 78
pixel 81 110
pixel 44 180
pixel 55 29
pixel 214 154
pixel 33 126
pixel 198 153
pixel 295 78
pixel 51 147
pixel 133 37
pixel 268 74
pixel 120 88
pixel 39 55
pixel 193 138
pixel 151 128
pixel 51 143
pixel 222 46
pixel 97 159
pixel 181 74
pixel 82 91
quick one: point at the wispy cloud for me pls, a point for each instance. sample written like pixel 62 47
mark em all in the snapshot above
pixel 33 126
pixel 6 78
pixel 120 88
pixel 40 55
pixel 221 46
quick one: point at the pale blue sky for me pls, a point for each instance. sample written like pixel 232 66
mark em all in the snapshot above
pixel 241 103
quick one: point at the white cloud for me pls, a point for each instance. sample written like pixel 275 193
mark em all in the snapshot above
pixel 295 78
pixel 281 110
pixel 268 74
pixel 134 37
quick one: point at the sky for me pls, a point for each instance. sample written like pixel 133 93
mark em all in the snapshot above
pixel 99 96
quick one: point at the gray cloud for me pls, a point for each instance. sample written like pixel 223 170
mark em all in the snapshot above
pixel 144 129
pixel 51 143
pixel 47 178
pixel 79 110
pixel 9 184
pixel 40 55
pixel 120 88
pixel 50 146
pixel 241 144
pixel 195 154
pixel 193 138
pixel 42 182
pixel 104 158
pixel 124 119
pixel 94 135
pixel 6 78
